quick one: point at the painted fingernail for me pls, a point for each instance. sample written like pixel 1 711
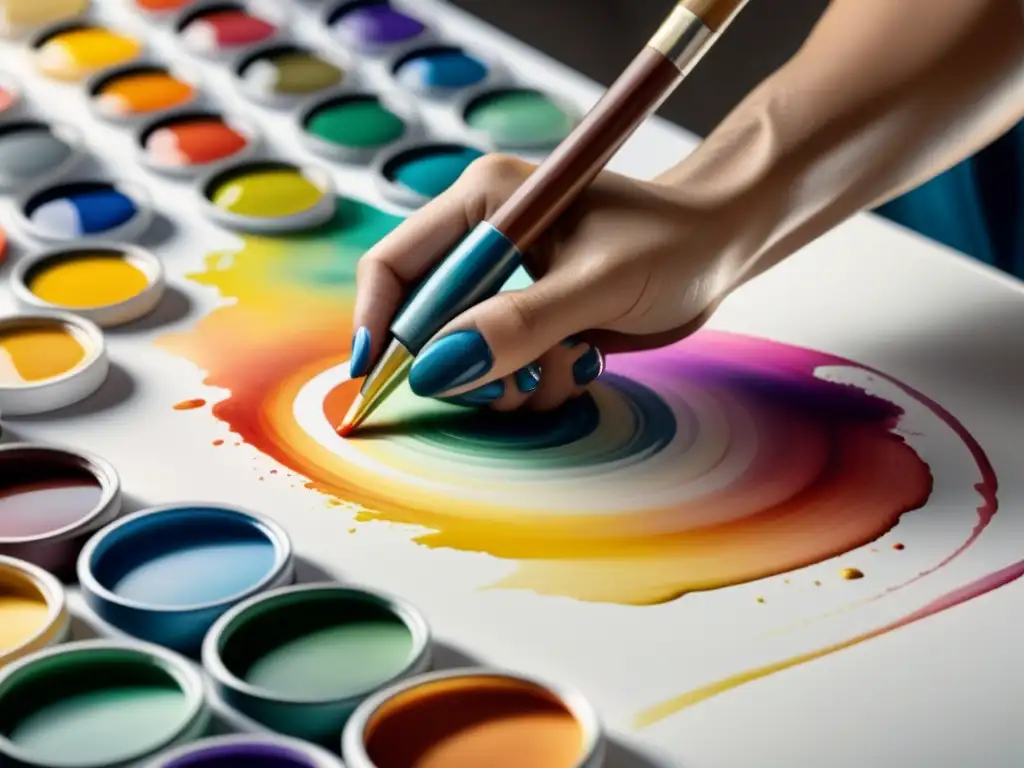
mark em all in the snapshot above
pixel 528 378
pixel 360 359
pixel 484 395
pixel 450 362
pixel 589 366
pixel 570 343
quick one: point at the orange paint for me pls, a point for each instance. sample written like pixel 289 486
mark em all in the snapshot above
pixel 475 721
pixel 194 142
pixel 161 5
pixel 142 92
pixel 851 574
pixel 218 442
pixel 190 405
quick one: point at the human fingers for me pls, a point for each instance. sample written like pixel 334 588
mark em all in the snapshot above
pixel 386 272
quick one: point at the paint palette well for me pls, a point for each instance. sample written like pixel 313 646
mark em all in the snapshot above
pixel 74 51
pixel 413 175
pixel 439 70
pixel 283 74
pixel 518 118
pixel 139 91
pixel 219 29
pixel 373 26
pixel 189 142
pixel 18 17
pixel 33 610
pixel 32 151
pixel 86 209
pixel 354 126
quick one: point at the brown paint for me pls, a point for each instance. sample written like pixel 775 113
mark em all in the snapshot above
pixel 190 405
pixel 898 547
pixel 44 491
pixel 714 13
pixel 851 574
pixel 550 189
pixel 471 722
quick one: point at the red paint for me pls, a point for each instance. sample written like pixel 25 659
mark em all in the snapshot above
pixel 227 29
pixel 194 142
pixel 898 547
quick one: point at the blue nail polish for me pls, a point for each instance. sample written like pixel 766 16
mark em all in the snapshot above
pixel 450 362
pixel 588 367
pixel 484 395
pixel 360 359
pixel 528 378
pixel 570 343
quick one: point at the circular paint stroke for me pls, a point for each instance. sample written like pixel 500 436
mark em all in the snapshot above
pixel 718 461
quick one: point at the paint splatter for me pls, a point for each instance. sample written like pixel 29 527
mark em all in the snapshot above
pixel 851 574
pixel 755 458
pixel 898 547
pixel 190 405
pixel 218 442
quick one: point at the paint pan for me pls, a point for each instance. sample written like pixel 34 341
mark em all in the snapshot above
pixel 33 610
pixel 85 210
pixel 76 50
pixel 106 283
pixel 160 11
pixel 413 174
pixel 139 91
pixel 24 17
pixel 33 152
pixel 472 717
pixel 11 102
pixel 49 360
pixel 98 704
pixel 188 143
pixel 250 751
pixel 354 126
pixel 165 575
pixel 220 30
pixel 374 27
pixel 52 500
pixel 268 196
pixel 283 75
pixel 516 118
pixel 298 660
pixel 441 70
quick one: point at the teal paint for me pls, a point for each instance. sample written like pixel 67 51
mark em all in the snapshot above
pixel 515 118
pixel 431 171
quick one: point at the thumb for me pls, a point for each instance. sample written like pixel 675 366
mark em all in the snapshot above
pixel 503 334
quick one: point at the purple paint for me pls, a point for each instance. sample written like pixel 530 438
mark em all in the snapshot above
pixel 377 25
pixel 257 755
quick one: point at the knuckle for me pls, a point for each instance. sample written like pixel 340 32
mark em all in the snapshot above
pixel 518 317
pixel 496 170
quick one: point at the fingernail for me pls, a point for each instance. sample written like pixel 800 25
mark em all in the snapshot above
pixel 528 378
pixel 484 395
pixel 570 343
pixel 360 359
pixel 589 366
pixel 450 362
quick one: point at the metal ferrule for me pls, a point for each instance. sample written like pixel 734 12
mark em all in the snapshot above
pixel 474 271
pixel 683 38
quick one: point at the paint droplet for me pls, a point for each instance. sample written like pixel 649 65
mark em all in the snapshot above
pixel 850 574
pixel 351 530
pixel 218 442
pixel 817 583
pixel 898 546
pixel 273 471
pixel 190 405
pixel 760 600
pixel 785 581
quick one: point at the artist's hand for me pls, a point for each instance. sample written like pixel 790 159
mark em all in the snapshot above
pixel 628 267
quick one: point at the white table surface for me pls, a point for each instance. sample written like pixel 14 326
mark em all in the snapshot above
pixel 943 692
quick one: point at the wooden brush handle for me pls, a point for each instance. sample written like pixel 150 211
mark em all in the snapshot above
pixel 714 13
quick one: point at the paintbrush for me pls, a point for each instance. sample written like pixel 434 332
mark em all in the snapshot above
pixel 485 259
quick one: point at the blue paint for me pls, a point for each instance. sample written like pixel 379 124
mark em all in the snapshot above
pixel 84 213
pixel 429 173
pixel 447 68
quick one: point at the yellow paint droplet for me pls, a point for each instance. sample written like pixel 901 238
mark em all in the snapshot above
pixel 267 194
pixel 851 574
pixel 760 600
pixel 351 530
pixel 78 53
pixel 88 280
pixel 31 354
pixel 785 581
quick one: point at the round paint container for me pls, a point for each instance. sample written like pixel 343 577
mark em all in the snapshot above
pixel 23 17
pixel 354 126
pixel 160 11
pixel 10 97
pixel 51 501
pixel 33 613
pixel 219 30
pixel 440 71
pixel 33 152
pixel 268 197
pixel 285 74
pixel 109 284
pixel 470 717
pixel 85 210
pixel 251 751
pixel 98 704
pixel 49 360
pixel 515 118
pixel 165 575
pixel 374 27
pixel 76 50
pixel 413 174
pixel 300 659
pixel 189 142
pixel 140 91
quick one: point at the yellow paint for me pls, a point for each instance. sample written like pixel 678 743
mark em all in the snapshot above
pixel 36 13
pixel 268 194
pixel 77 53
pixel 88 281
pixel 21 619
pixel 31 354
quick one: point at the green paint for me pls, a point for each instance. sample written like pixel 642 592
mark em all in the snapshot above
pixel 335 662
pixel 102 727
pixel 357 123
pixel 518 118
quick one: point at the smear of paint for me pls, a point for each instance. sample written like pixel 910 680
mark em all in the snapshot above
pixel 190 405
pixel 950 600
